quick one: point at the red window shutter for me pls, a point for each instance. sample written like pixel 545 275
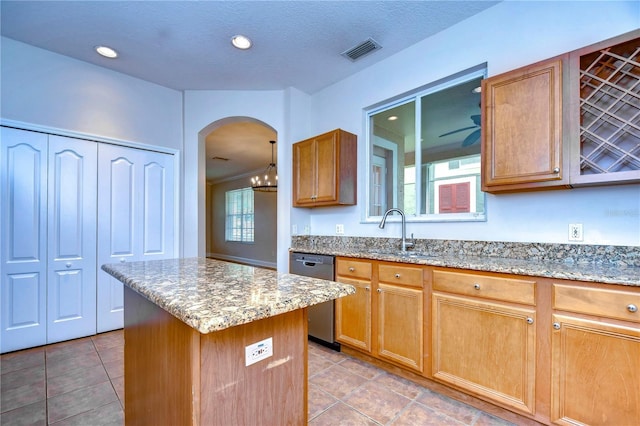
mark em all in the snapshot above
pixel 455 198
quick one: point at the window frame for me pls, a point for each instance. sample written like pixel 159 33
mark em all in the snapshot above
pixel 246 234
pixel 415 96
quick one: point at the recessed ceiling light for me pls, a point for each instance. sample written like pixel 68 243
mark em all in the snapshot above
pixel 241 42
pixel 107 52
pixel 393 118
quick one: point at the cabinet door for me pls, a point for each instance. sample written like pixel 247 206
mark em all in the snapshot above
pixel 71 283
pixel 522 129
pixel 595 372
pixel 400 319
pixel 304 172
pixel 353 315
pixel 135 218
pixel 487 349
pixel 326 163
pixel 23 217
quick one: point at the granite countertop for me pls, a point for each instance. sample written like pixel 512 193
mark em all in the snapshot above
pixel 588 271
pixel 211 295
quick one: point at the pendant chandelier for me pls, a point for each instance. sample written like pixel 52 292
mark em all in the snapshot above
pixel 268 182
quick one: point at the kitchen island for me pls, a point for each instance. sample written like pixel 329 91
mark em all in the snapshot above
pixel 188 324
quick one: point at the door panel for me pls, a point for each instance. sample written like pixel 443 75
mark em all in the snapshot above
pixel 71 294
pixel 135 218
pixel 23 234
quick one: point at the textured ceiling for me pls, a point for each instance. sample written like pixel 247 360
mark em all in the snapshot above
pixel 186 44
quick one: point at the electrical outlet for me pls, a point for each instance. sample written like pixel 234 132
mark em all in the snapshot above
pixel 575 232
pixel 339 229
pixel 258 351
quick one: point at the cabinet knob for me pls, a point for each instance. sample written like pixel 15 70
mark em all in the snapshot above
pixel 529 320
pixel 379 290
pixel 476 286
pixel 367 288
pixel 352 269
pixel 556 170
pixel 122 260
pixel 632 308
pixel 556 326
pixel 397 275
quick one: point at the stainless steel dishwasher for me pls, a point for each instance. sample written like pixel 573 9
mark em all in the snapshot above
pixel 321 316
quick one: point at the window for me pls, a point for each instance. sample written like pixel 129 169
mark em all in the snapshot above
pixel 239 215
pixel 424 152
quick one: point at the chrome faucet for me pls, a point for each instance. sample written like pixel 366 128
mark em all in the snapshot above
pixel 405 244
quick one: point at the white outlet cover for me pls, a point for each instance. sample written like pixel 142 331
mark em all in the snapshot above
pixel 258 351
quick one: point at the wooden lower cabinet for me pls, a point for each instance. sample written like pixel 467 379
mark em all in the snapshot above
pixel 400 332
pixel 595 377
pixel 485 348
pixel 353 315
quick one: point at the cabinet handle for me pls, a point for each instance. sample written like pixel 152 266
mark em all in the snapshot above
pixel 556 170
pixel 632 308
pixel 556 326
pixel 476 286
pixel 352 269
pixel 379 290
pixel 529 320
pixel 397 275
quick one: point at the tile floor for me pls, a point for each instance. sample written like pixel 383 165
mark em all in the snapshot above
pixel 80 382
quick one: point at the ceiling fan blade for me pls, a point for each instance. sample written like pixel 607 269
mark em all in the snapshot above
pixel 459 130
pixel 471 139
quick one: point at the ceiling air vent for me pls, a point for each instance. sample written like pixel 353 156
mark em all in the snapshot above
pixel 364 48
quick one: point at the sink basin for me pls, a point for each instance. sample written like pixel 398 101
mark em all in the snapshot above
pixel 404 254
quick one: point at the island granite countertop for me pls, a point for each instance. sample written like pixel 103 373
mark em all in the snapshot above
pixel 211 295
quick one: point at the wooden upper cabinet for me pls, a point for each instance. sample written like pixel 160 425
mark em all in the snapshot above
pixel 604 95
pixel 325 170
pixel 522 125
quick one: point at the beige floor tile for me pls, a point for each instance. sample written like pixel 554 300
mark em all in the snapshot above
pixel 111 354
pixel 22 395
pixel 60 365
pixel 25 376
pixel 377 402
pixel 30 415
pixel 337 381
pixel 418 414
pixel 107 415
pixel 360 368
pixel 449 407
pixel 114 369
pixel 76 379
pixel 118 386
pixel 318 401
pixel 69 348
pixel 317 363
pixel 341 415
pixel 399 385
pixel 80 401
pixel 21 359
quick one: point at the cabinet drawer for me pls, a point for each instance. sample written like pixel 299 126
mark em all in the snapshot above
pixel 353 268
pixel 497 288
pixel 616 304
pixel 399 274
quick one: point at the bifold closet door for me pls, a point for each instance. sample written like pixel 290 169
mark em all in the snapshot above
pixel 71 283
pixel 135 218
pixel 24 239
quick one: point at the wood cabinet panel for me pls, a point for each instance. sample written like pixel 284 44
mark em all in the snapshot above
pixel 485 348
pixel 522 118
pixel 397 274
pixel 400 319
pixel 325 170
pixel 353 268
pixel 616 304
pixel 490 287
pixel 353 315
pixel 595 372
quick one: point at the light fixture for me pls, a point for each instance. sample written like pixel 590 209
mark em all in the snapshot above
pixel 477 89
pixel 241 42
pixel 107 52
pixel 270 181
pixel 393 118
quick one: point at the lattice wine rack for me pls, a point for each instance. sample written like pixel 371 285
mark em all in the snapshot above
pixel 610 109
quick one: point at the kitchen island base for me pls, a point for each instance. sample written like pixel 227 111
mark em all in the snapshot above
pixel 175 375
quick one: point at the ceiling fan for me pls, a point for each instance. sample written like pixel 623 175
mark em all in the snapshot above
pixel 473 136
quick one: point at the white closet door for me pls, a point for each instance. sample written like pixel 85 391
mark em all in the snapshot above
pixel 71 285
pixel 23 235
pixel 135 218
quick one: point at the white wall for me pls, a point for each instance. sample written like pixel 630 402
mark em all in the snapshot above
pixel 56 92
pixel 506 36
